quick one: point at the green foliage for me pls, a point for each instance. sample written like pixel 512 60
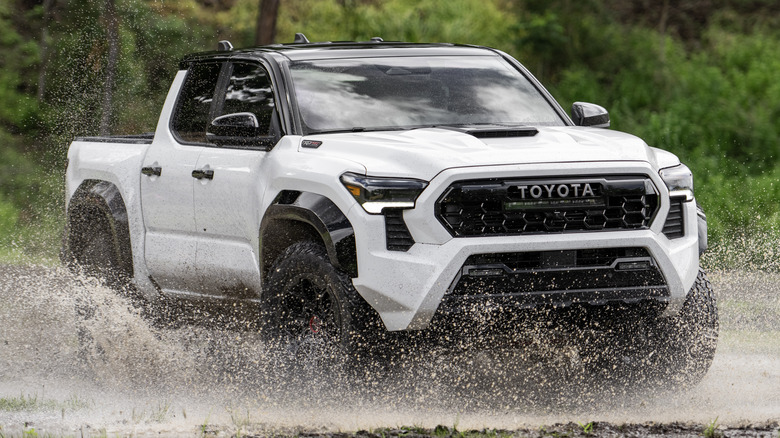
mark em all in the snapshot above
pixel 17 57
pixel 456 21
pixel 705 88
pixel 716 108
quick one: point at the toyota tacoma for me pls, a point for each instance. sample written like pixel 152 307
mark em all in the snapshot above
pixel 355 191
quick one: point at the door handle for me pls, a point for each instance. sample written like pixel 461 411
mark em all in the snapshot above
pixel 201 174
pixel 151 171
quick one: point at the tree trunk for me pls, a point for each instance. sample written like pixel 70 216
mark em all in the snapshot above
pixel 112 34
pixel 267 12
pixel 48 5
pixel 662 30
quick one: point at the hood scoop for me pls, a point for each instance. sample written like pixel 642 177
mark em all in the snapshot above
pixel 494 131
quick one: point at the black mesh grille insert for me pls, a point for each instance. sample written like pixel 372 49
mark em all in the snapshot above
pixel 561 277
pixel 512 207
pixel 674 227
pixel 396 232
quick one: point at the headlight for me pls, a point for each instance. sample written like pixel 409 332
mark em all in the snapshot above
pixel 376 194
pixel 679 180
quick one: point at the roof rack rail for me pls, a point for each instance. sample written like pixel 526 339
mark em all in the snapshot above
pixel 377 39
pixel 300 39
pixel 224 46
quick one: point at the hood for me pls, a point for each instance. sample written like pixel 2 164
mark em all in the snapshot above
pixel 423 153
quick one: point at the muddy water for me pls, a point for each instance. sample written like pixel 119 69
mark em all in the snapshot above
pixel 86 361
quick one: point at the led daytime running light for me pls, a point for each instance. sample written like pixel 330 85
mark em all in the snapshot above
pixel 679 181
pixel 375 194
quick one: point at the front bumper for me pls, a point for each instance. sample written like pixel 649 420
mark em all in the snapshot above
pixel 408 288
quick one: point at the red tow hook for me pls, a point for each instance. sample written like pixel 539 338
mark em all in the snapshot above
pixel 315 324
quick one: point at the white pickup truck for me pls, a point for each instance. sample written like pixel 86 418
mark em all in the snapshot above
pixel 352 190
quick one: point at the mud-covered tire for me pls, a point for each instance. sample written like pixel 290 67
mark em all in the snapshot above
pixel 312 308
pixel 686 344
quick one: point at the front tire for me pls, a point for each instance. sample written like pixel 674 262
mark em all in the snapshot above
pixel 667 352
pixel 310 307
pixel 689 340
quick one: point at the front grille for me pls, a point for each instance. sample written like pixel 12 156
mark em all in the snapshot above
pixel 528 279
pixel 674 227
pixel 512 207
pixel 396 233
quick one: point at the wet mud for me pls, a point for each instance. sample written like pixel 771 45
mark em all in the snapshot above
pixel 77 359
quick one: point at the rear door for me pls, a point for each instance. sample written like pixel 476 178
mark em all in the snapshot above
pixel 227 197
pixel 167 182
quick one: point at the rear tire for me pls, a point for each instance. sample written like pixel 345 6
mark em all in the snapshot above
pixel 92 250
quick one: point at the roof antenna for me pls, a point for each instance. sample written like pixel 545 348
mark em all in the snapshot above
pixel 300 39
pixel 224 46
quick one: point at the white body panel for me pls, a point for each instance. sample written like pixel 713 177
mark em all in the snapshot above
pixel 227 213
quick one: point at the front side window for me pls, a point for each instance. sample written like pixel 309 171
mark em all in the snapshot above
pixel 409 92
pixel 192 114
pixel 249 91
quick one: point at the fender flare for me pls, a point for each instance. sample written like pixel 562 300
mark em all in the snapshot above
pixel 105 199
pixel 315 212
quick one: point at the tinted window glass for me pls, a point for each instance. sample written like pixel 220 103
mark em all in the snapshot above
pixel 249 91
pixel 398 93
pixel 192 114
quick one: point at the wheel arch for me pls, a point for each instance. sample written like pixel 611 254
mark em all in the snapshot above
pixel 96 200
pixel 298 216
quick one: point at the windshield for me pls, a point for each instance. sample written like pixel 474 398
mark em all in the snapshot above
pixel 409 92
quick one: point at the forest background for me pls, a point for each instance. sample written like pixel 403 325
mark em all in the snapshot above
pixel 698 77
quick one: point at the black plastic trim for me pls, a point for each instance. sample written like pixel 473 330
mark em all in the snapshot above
pixel 558 278
pixel 145 138
pixel 321 214
pixel 674 226
pixel 397 235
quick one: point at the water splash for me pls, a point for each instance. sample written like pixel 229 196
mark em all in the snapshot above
pixel 66 337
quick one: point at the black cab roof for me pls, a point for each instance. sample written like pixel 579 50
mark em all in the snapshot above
pixel 344 49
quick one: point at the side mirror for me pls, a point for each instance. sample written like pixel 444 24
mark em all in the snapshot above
pixel 235 126
pixel 589 114
pixel 239 130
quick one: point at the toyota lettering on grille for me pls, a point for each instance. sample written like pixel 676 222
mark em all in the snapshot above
pixel 554 195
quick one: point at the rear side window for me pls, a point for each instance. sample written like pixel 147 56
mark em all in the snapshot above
pixel 250 91
pixel 195 99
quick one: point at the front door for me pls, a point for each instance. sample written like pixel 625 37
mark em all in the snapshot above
pixel 227 198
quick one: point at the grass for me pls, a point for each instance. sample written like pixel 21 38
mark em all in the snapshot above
pixel 158 414
pixel 711 431
pixel 35 403
pixel 587 428
pixel 10 255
